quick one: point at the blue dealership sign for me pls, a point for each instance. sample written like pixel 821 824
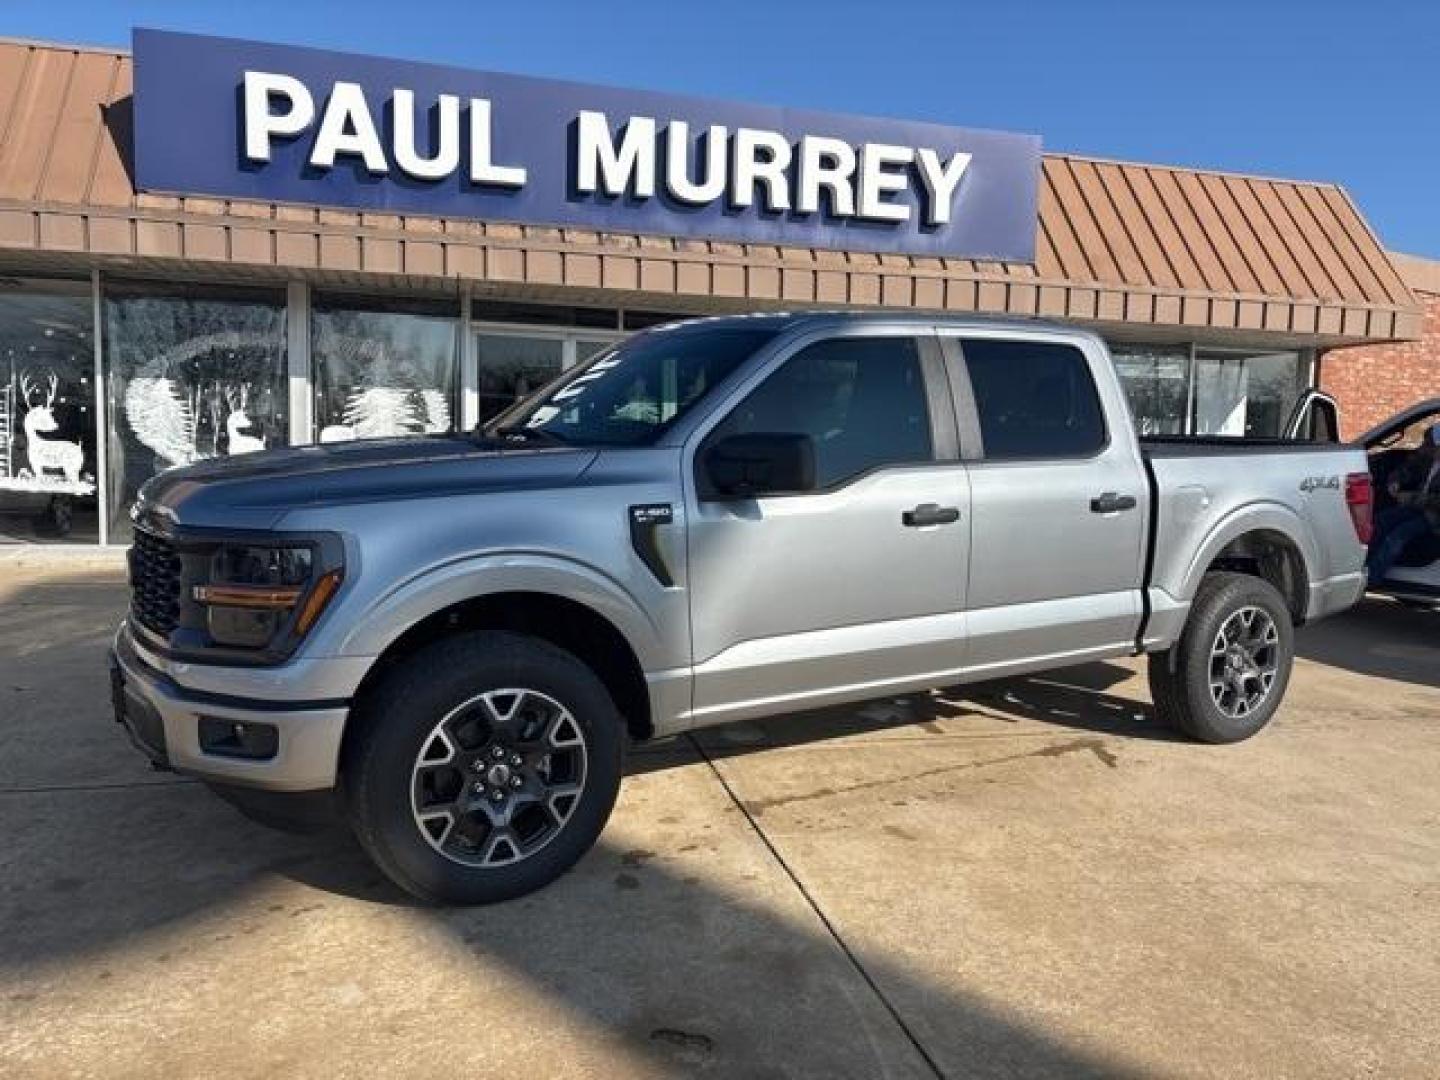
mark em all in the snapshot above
pixel 249 120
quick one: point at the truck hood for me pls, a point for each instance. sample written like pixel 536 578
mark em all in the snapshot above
pixel 254 491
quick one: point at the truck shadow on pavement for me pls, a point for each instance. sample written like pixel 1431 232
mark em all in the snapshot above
pixel 1378 637
pixel 1076 698
pixel 660 965
pixel 109 868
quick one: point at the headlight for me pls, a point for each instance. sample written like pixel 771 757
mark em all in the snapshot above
pixel 255 592
pixel 277 566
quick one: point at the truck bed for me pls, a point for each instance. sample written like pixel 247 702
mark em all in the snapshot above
pixel 1188 446
pixel 1205 490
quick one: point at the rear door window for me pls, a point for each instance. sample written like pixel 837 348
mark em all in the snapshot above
pixel 1034 400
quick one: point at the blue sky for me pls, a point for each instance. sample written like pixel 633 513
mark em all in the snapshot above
pixel 1322 90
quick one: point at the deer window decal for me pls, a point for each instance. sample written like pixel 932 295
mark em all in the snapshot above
pixel 48 455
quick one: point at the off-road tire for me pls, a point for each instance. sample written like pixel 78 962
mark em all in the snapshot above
pixel 395 719
pixel 1180 677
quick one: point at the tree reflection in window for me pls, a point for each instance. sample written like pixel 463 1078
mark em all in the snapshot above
pixel 383 367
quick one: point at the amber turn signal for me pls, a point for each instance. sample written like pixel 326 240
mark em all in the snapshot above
pixel 315 603
pixel 262 597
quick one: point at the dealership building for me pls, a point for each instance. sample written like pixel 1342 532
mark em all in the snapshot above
pixel 212 247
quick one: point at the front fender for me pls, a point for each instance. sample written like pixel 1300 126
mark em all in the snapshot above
pixel 1270 516
pixel 384 619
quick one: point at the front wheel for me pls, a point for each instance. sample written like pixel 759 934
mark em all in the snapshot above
pixel 1225 677
pixel 483 767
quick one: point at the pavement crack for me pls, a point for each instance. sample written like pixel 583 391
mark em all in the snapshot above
pixel 49 789
pixel 1086 745
pixel 814 906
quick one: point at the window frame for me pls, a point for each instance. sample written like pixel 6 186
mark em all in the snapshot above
pixel 935 383
pixel 967 409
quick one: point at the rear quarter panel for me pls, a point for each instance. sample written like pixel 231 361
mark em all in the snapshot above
pixel 1205 501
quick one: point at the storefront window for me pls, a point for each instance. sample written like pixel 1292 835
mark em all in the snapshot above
pixel 1246 395
pixel 47 412
pixel 513 365
pixel 384 367
pixel 514 362
pixel 585 348
pixel 1156 379
pixel 191 373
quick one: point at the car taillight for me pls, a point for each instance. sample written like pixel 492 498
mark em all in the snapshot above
pixel 1360 499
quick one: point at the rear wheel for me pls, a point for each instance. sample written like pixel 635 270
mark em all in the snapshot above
pixel 483 767
pixel 1226 676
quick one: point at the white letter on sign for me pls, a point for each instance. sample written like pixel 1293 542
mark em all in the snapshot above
pixel 601 166
pixel 261 123
pixel 348 128
pixel 940 184
pixel 483 170
pixel 446 157
pixel 677 154
pixel 760 156
pixel 875 182
pixel 826 163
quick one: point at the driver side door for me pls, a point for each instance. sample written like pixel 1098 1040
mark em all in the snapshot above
pixel 853 589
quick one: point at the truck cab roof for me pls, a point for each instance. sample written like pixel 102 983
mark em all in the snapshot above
pixel 783 321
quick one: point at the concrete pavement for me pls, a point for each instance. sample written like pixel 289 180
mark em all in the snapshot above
pixel 1019 879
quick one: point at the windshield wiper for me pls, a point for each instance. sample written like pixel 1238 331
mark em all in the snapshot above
pixel 529 434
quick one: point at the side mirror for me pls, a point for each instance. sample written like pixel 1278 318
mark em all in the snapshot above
pixel 765 463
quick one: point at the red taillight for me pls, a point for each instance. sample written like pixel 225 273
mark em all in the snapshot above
pixel 1360 499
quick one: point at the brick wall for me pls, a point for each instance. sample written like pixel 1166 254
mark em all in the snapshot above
pixel 1373 382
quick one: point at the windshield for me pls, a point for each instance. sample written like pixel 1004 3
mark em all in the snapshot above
pixel 629 394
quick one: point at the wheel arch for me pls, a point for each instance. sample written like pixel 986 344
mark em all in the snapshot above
pixel 1270 543
pixel 570 606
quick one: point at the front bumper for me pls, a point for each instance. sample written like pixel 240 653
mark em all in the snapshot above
pixel 163 720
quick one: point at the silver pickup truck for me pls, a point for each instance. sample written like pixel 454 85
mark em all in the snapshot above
pixel 452 638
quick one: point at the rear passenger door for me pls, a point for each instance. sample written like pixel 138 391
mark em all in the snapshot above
pixel 1058 503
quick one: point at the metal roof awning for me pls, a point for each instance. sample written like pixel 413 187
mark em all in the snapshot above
pixel 1143 246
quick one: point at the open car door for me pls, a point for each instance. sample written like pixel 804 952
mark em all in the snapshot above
pixel 1416 578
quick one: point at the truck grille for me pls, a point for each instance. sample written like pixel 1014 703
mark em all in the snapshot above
pixel 154 582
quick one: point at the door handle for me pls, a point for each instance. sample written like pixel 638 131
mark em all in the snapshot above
pixel 930 514
pixel 1110 502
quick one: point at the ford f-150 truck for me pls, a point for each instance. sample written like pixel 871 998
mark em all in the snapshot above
pixel 453 637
